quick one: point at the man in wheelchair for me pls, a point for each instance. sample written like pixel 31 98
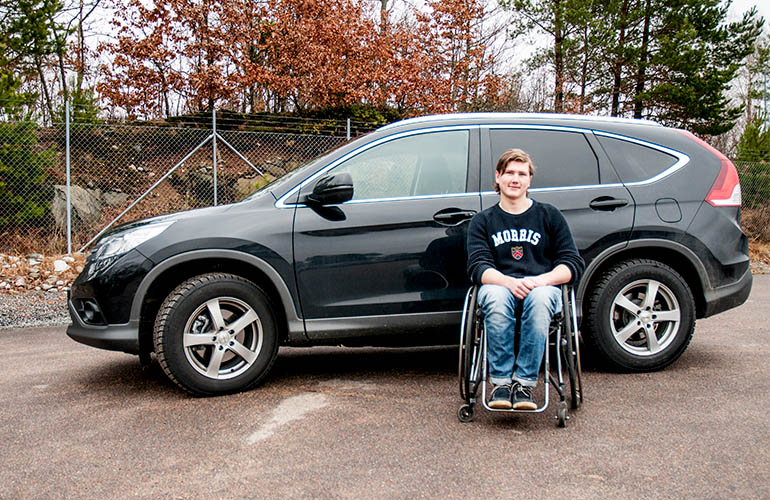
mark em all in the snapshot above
pixel 519 251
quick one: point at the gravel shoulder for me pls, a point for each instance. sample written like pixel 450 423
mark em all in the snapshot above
pixel 33 309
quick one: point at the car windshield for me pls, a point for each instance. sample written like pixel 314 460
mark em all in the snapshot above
pixel 288 176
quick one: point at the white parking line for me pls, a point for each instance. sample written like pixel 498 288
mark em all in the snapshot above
pixel 293 408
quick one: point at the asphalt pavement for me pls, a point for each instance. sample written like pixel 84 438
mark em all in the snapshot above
pixel 78 422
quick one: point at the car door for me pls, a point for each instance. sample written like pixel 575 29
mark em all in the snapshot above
pixel 398 247
pixel 572 173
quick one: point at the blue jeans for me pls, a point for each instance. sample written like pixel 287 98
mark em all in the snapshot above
pixel 537 309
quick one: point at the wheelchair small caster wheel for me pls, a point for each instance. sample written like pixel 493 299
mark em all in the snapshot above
pixel 465 413
pixel 562 416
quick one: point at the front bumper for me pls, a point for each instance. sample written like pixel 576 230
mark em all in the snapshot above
pixel 123 337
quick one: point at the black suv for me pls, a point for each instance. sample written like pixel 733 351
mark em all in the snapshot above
pixel 366 246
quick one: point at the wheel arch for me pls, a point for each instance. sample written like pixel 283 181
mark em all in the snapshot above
pixel 164 277
pixel 671 253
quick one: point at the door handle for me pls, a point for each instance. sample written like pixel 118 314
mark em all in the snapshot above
pixel 607 203
pixel 453 216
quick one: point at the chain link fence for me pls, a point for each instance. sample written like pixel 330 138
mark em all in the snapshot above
pixel 755 183
pixel 119 173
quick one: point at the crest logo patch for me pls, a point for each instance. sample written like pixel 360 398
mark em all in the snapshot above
pixel 517 252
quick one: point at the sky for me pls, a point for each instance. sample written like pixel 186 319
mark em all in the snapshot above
pixel 738 7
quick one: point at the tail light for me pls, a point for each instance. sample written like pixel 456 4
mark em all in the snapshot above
pixel 726 190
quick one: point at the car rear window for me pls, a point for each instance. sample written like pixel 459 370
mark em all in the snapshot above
pixel 635 162
pixel 560 158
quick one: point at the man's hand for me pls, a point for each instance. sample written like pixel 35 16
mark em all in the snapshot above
pixel 520 287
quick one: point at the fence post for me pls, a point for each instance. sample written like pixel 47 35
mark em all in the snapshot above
pixel 214 147
pixel 67 168
pixel 348 127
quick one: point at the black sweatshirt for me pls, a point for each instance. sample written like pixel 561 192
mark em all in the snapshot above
pixel 531 243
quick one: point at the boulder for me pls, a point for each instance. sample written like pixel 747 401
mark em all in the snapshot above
pixel 114 198
pixel 86 206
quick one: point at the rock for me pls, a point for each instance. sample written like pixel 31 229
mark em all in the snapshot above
pixel 68 259
pixel 59 283
pixel 79 269
pixel 33 263
pixel 2 284
pixel 244 187
pixel 20 282
pixel 59 266
pixel 35 256
pixel 86 206
pixel 45 287
pixel 114 199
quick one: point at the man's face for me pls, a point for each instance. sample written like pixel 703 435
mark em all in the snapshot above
pixel 515 180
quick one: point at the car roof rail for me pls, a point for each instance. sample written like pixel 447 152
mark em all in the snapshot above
pixel 518 116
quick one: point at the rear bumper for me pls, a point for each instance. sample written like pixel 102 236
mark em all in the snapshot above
pixel 729 296
pixel 123 337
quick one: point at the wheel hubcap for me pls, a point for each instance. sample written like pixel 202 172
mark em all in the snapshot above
pixel 223 338
pixel 645 317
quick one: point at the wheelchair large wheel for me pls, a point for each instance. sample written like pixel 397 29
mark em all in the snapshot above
pixel 469 369
pixel 571 351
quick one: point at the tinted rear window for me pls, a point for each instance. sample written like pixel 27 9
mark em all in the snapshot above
pixel 635 162
pixel 561 158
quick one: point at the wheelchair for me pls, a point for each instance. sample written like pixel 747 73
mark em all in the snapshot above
pixel 563 339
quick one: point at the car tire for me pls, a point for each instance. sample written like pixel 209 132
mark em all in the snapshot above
pixel 216 334
pixel 631 333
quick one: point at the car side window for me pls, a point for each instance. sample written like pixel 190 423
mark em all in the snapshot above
pixel 560 158
pixel 635 162
pixel 417 165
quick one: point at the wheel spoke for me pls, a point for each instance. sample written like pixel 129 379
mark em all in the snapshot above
pixel 626 304
pixel 627 331
pixel 244 352
pixel 249 317
pixel 193 339
pixel 216 314
pixel 650 294
pixel 216 361
pixel 673 315
pixel 652 341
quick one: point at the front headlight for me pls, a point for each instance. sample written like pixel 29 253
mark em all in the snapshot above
pixel 112 247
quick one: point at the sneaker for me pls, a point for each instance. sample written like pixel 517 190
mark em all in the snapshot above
pixel 522 398
pixel 501 397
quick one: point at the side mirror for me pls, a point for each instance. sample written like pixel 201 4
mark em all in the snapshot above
pixel 331 190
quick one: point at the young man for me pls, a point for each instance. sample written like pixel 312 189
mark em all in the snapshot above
pixel 519 251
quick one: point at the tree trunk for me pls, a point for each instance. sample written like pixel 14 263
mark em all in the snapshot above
pixel 641 75
pixel 617 71
pixel 558 57
pixel 44 85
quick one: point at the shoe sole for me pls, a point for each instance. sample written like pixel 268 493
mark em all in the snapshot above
pixel 500 405
pixel 525 405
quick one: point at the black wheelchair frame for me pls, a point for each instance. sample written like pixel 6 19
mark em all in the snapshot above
pixel 563 338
